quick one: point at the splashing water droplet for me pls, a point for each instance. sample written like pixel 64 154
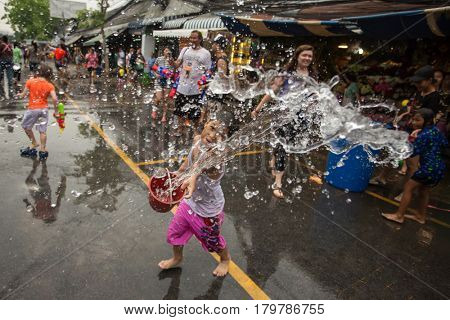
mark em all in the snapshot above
pixel 75 193
pixel 250 194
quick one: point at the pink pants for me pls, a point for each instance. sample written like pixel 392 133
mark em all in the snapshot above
pixel 186 223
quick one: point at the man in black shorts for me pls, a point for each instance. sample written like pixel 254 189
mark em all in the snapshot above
pixel 194 62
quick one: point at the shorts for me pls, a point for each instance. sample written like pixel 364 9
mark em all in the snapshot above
pixel 38 117
pixel 59 65
pixel 186 223
pixel 188 106
pixel 427 178
pixel 162 84
pixel 90 69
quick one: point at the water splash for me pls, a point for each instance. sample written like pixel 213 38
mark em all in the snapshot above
pixel 306 116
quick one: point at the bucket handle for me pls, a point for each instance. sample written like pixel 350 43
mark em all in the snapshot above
pixel 170 186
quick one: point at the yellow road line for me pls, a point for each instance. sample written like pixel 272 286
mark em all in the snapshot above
pixel 159 161
pixel 395 203
pixel 150 162
pixel 238 275
pixel 244 280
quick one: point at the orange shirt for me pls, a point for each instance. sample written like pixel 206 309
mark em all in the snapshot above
pixel 39 91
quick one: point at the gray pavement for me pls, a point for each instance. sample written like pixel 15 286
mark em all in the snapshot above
pixel 79 226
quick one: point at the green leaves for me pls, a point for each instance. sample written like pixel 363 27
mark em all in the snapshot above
pixel 30 19
pixel 89 18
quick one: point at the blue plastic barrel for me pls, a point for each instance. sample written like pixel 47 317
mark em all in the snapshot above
pixel 354 174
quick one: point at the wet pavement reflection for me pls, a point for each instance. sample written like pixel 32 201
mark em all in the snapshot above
pixel 101 240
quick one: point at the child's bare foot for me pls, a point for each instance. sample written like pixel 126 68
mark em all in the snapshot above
pixel 415 218
pixel 222 268
pixel 169 264
pixel 278 193
pixel 393 217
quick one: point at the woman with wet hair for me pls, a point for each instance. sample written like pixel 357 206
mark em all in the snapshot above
pixel 301 65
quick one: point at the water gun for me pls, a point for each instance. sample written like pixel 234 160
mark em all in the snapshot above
pixel 60 118
pixel 175 83
pixel 163 72
pixel 202 83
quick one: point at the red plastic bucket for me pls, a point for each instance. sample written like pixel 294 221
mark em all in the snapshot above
pixel 156 186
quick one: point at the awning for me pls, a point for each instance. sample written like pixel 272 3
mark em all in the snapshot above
pixel 111 31
pixel 175 23
pixel 271 26
pixel 206 21
pixel 179 33
pixel 71 40
pixel 411 24
pixel 182 27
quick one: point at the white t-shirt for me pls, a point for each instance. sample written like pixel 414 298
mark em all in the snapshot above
pixel 194 64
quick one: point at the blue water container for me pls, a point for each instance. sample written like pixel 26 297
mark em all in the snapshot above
pixel 354 174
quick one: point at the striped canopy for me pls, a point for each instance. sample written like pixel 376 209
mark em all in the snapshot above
pixel 405 24
pixel 271 26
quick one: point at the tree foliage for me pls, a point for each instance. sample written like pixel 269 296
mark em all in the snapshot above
pixel 89 18
pixel 30 19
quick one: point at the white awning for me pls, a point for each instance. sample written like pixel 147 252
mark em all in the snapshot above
pixel 181 33
pixel 175 23
pixel 206 21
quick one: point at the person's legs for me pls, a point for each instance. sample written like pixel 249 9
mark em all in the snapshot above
pixel 408 190
pixel 29 120
pixel 2 69
pixel 280 166
pixel 10 78
pixel 175 260
pixel 222 268
pixel 157 102
pixel 178 234
pixel 32 138
pixel 424 198
pixel 43 138
pixel 164 105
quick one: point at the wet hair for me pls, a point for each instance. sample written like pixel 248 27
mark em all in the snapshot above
pixel 5 39
pixel 292 64
pixel 427 115
pixel 44 71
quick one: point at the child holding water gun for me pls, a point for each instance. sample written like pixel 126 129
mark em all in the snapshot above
pixel 201 211
pixel 39 88
pixel 428 146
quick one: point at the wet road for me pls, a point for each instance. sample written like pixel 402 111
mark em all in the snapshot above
pixel 79 226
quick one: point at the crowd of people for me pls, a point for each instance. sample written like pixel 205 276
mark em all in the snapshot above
pixel 180 83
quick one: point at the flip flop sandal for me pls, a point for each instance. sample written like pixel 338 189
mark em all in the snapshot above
pixel 43 155
pixel 376 182
pixel 28 152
